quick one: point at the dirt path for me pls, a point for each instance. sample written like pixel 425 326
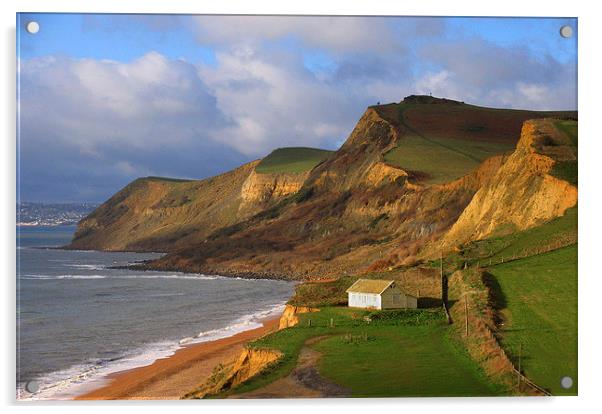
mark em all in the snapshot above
pixel 303 382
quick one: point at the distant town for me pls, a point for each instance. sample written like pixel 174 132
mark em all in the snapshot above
pixel 43 214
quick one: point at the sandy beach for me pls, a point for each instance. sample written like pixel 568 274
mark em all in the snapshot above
pixel 170 378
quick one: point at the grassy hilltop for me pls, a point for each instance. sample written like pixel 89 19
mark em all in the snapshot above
pixel 447 139
pixel 292 160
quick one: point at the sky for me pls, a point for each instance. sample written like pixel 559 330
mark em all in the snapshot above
pixel 104 99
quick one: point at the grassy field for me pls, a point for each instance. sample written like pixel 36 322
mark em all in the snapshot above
pixel 538 297
pixel 554 234
pixel 292 160
pixel 421 361
pixel 402 354
pixel 570 128
pixel 567 170
pixel 442 159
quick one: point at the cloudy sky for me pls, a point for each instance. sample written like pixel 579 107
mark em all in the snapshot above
pixel 104 99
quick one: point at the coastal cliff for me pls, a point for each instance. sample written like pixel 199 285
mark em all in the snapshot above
pixel 302 213
pixel 157 214
pixel 524 192
pixel 289 317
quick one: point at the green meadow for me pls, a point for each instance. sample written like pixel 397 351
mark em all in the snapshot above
pixel 538 300
pixel 407 353
pixel 558 232
pixel 418 361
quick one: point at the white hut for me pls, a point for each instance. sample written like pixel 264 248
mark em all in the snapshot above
pixel 379 294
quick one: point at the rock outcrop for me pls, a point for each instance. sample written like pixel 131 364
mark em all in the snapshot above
pixel 261 190
pixel 158 214
pixel 289 317
pixel 249 363
pixel 523 193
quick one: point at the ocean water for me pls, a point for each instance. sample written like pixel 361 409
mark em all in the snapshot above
pixel 78 320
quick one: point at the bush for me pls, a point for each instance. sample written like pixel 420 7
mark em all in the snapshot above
pixel 408 316
pixel 304 194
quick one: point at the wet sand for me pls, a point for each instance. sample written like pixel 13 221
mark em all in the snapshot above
pixel 172 377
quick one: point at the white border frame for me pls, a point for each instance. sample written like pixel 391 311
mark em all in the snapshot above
pixel 589 205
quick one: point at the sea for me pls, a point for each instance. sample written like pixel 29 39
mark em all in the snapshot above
pixel 79 319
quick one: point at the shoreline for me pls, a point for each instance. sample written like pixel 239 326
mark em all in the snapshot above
pixel 172 377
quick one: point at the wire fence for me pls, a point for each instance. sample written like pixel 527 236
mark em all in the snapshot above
pixel 505 258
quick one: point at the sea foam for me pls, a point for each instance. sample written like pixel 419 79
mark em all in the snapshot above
pixel 80 379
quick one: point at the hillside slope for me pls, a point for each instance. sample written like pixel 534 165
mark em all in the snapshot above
pixel 349 212
pixel 157 213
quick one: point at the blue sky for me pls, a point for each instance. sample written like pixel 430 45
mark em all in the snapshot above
pixel 107 98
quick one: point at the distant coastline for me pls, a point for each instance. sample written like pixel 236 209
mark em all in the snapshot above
pixel 36 224
pixel 33 214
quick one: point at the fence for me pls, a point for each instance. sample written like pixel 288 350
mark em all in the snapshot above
pixel 481 326
pixel 557 244
pixel 522 379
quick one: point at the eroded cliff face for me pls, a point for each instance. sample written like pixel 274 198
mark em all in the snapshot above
pixel 357 214
pixel 249 363
pixel 360 160
pixel 523 193
pixel 261 190
pixel 289 317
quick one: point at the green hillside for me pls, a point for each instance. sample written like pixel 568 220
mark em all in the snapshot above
pixel 446 139
pixel 538 297
pixel 554 234
pixel 533 278
pixel 570 128
pixel 292 160
pixel 441 159
pixel 568 170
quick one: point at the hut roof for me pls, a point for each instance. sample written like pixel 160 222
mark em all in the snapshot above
pixel 377 286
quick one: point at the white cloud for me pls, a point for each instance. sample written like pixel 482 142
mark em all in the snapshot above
pixel 273 101
pixel 150 102
pixel 477 71
pixel 339 34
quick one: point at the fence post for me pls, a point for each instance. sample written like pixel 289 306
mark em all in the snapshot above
pixel 466 313
pixel 520 351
